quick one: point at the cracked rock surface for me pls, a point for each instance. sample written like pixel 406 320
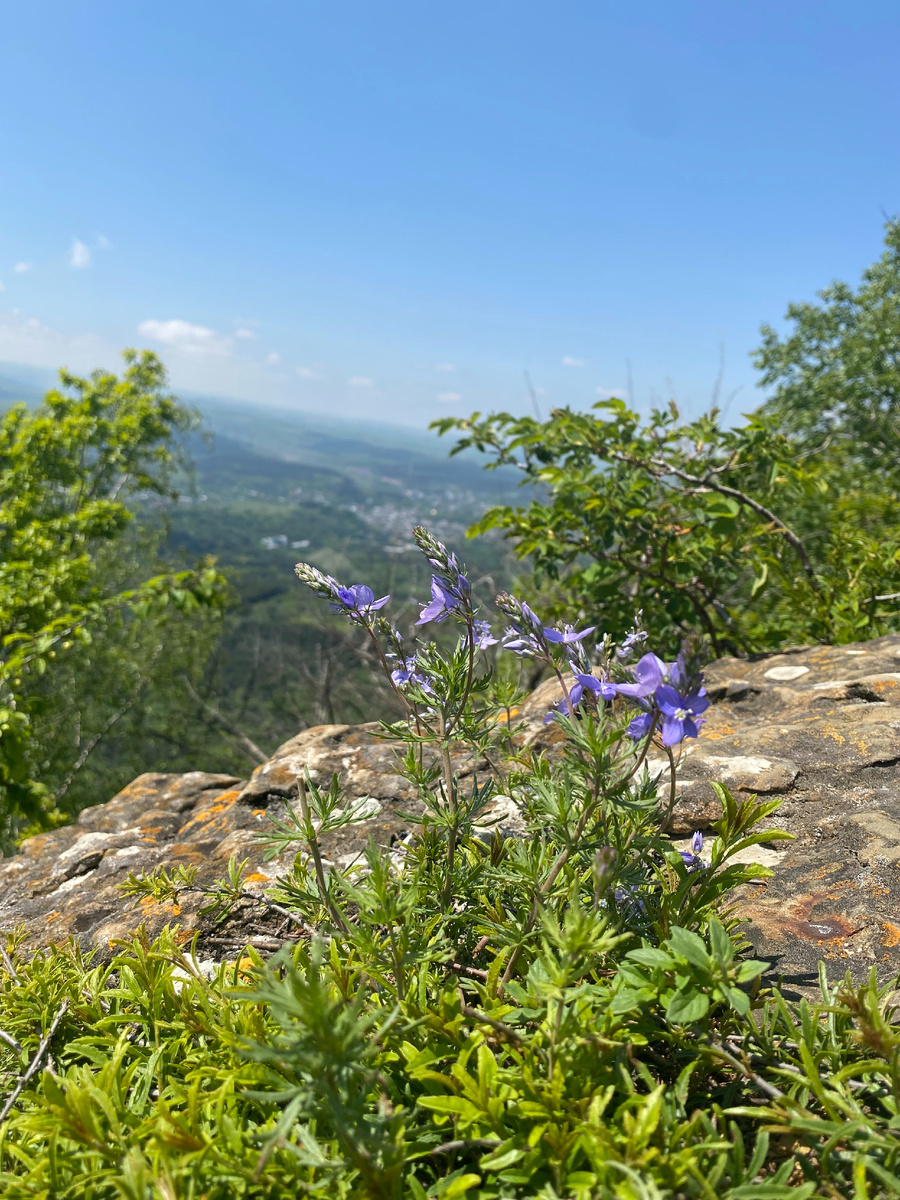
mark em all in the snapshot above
pixel 819 728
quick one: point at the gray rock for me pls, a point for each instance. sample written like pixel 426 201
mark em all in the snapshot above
pixel 825 738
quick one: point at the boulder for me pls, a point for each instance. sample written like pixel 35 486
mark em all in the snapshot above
pixel 817 727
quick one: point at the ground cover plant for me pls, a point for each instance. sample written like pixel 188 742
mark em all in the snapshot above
pixel 568 1011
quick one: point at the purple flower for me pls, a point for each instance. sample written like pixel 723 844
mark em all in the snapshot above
pixel 524 644
pixel 406 673
pixel 358 599
pixel 590 683
pixel 680 714
pixel 568 635
pixel 443 601
pixel 630 642
pixel 649 673
pixel 640 726
pixel 697 843
pixel 691 861
pixel 531 615
pixel 482 634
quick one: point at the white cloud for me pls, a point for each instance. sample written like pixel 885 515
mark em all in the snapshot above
pixel 2 288
pixel 307 373
pixel 27 340
pixel 444 367
pixel 182 335
pixel 21 267
pixel 79 255
pixel 360 381
pixel 449 397
pixel 244 333
pixel 568 361
pixel 103 243
pixel 273 359
pixel 608 393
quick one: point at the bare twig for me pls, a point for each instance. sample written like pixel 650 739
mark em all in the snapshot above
pixel 92 744
pixel 500 1027
pixel 10 1041
pixel 760 509
pixel 98 737
pixel 250 746
pixel 35 1063
pixel 8 963
pixel 533 394
pixel 764 1086
pixel 466 1144
pixel 660 466
pixel 469 970
pixel 283 912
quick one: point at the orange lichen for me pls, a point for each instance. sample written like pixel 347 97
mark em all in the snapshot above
pixel 892 934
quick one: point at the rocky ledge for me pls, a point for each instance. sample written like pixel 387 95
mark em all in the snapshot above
pixel 819 727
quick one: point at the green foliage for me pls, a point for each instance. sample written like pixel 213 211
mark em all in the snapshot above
pixel 726 530
pixel 786 530
pixel 74 578
pixel 837 373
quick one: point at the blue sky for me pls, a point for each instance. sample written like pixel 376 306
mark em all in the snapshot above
pixel 392 210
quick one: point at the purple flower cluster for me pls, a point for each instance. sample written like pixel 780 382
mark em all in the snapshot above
pixel 528 637
pixel 669 696
pixel 665 693
pixel 482 633
pixel 691 858
pixel 357 601
pixel 451 592
pixel 677 700
pixel 445 597
pixel 405 673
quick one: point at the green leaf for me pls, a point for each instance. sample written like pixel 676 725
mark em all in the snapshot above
pixel 687 1006
pixel 458 1186
pixel 651 956
pixel 687 944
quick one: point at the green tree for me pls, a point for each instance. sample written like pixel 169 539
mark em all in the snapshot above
pixel 784 530
pixel 836 373
pixel 71 567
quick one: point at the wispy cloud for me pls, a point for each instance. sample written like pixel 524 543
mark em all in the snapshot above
pixel 79 255
pixel 103 242
pixel 182 335
pixel 26 340
pixel 245 334
pixel 449 397
pixel 360 381
pixel 447 367
pixel 608 393
pixel 307 373
pixel 568 361
pixel 2 288
pixel 21 267
pixel 273 359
